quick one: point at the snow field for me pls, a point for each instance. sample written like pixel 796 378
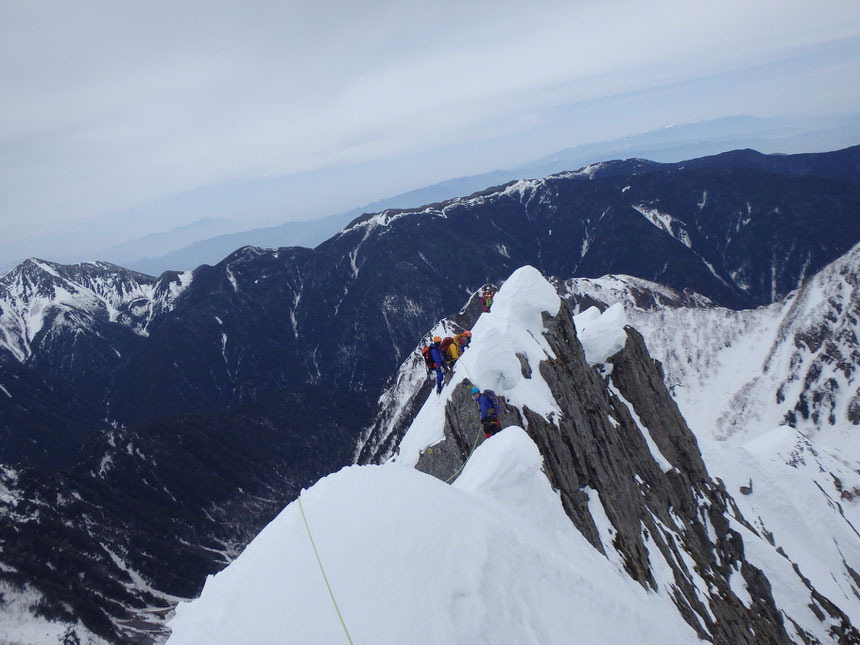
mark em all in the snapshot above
pixel 411 559
pixel 795 499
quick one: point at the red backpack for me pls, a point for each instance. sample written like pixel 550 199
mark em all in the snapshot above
pixel 429 363
pixel 446 342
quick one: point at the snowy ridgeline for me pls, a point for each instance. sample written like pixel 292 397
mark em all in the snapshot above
pixel 494 557
pixel 491 559
pixel 724 368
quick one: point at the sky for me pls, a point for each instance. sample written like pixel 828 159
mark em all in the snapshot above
pixel 123 119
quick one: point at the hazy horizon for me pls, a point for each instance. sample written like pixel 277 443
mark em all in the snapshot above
pixel 121 121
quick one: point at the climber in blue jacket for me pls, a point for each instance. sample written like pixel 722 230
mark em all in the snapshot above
pixel 490 410
pixel 439 360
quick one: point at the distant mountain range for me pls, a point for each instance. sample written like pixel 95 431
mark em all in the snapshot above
pixel 120 393
pixel 188 247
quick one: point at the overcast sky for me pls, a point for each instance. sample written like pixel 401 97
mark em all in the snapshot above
pixel 107 107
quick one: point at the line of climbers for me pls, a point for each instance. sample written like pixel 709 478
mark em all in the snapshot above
pixel 443 353
pixel 440 357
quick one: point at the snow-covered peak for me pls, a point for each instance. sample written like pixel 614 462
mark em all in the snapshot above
pixel 409 559
pixel 39 297
pixel 500 556
pixel 632 292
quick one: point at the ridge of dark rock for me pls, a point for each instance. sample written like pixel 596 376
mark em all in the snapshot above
pixel 597 446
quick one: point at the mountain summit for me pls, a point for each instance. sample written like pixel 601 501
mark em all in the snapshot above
pixel 594 498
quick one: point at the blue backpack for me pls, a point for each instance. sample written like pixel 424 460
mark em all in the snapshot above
pixel 494 400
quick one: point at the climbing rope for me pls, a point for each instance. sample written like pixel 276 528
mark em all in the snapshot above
pixel 316 553
pixel 477 436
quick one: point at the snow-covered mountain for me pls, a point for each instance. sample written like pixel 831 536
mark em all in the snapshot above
pixel 42 302
pixel 772 395
pixel 591 514
pixel 738 374
pixel 177 408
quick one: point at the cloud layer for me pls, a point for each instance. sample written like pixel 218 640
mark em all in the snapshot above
pixel 104 105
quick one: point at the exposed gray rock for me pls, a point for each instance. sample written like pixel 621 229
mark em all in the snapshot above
pixel 463 434
pixel 401 400
pixel 597 444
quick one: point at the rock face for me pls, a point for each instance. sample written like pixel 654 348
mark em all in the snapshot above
pixel 620 452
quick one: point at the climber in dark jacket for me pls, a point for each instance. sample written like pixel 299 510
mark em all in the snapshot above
pixel 439 360
pixel 489 415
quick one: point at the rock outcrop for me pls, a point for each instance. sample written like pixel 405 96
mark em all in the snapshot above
pixel 631 478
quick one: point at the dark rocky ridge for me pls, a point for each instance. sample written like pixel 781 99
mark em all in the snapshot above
pixel 342 317
pixel 742 232
pixel 597 444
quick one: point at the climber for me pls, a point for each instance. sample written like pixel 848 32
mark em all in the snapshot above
pixel 487 299
pixel 490 408
pixel 457 346
pixel 463 340
pixel 439 362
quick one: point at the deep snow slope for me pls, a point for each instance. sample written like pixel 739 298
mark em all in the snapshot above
pixel 492 559
pixel 771 394
pixel 737 374
pixel 591 514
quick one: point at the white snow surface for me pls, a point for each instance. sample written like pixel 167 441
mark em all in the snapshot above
pixel 795 497
pixel 724 369
pixel 491 559
pixel 601 334
pixel 514 326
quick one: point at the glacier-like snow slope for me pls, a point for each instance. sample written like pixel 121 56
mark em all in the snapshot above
pixel 721 364
pixel 491 559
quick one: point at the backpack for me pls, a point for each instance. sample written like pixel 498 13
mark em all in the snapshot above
pixel 494 400
pixel 446 342
pixel 429 363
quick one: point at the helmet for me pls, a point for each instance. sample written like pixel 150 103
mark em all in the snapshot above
pixel 475 391
pixel 437 339
pixel 467 334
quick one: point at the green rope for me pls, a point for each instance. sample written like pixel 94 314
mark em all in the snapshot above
pixel 316 553
pixel 477 436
